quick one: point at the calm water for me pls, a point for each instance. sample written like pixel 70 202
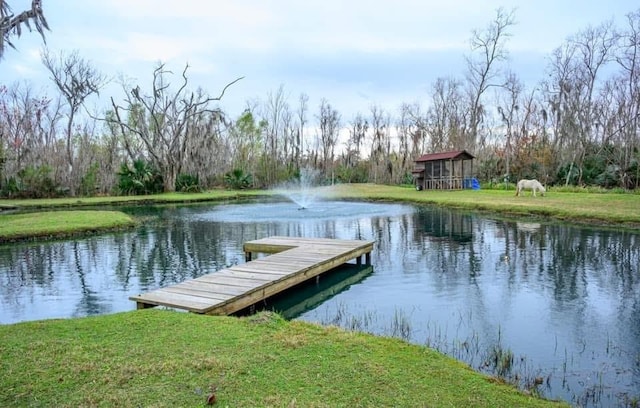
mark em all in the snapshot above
pixel 565 301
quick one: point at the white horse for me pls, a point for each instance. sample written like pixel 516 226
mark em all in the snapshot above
pixel 533 185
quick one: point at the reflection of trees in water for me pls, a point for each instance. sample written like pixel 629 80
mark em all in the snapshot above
pixel 456 245
pixel 439 222
pixel 455 248
pixel 88 272
pixel 584 272
pixel 576 274
pixel 582 256
pixel 89 303
pixel 183 250
pixel 26 269
pixel 445 241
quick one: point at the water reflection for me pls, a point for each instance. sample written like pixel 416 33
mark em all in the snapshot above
pixel 564 300
pixel 307 295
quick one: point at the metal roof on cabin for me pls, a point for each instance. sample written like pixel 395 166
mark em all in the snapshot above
pixel 445 156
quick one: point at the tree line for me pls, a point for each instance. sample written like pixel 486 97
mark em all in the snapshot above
pixel 578 126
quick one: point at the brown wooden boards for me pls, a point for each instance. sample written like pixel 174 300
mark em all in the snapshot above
pixel 293 260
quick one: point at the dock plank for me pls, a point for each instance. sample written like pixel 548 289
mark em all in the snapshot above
pixel 197 292
pixel 292 260
pixel 161 297
pixel 215 287
pixel 231 280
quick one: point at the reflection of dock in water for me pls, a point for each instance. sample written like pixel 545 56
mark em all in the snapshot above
pixel 299 299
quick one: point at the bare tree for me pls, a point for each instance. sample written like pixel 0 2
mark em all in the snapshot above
pixel 508 111
pixel 329 119
pixel 274 111
pixel 76 79
pixel 489 50
pixel 419 131
pixel 522 143
pixel 405 129
pixel 289 141
pixel 573 83
pixel 556 89
pixel 11 24
pixel 357 135
pixel 380 163
pixel 172 125
pixel 208 152
pixel 27 132
pixel 18 124
pixel 628 101
pixel 301 114
pixel 447 116
pixel 246 138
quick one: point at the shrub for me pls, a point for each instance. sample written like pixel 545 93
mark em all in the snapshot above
pixel 89 181
pixel 32 182
pixel 188 183
pixel 11 188
pixel 141 179
pixel 357 174
pixel 237 179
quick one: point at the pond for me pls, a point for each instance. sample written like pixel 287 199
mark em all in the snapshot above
pixel 552 307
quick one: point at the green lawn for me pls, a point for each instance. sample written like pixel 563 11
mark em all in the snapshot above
pixel 159 358
pixel 610 209
pixel 213 195
pixel 56 224
pixel 584 208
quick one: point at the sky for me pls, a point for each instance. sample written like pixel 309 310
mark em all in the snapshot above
pixel 355 54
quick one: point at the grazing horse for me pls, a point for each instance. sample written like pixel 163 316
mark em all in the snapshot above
pixel 533 185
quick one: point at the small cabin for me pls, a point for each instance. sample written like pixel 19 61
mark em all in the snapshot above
pixel 444 171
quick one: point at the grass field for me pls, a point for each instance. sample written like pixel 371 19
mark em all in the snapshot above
pixel 56 224
pixel 585 208
pixel 159 358
pixel 612 209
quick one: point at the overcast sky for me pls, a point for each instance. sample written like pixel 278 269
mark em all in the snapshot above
pixel 353 53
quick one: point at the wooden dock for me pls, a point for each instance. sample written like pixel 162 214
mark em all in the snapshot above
pixel 292 261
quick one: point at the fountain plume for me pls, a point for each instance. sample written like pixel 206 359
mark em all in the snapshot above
pixel 301 190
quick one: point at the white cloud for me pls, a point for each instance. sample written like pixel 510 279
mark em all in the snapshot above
pixel 26 71
pixel 249 12
pixel 389 51
pixel 154 47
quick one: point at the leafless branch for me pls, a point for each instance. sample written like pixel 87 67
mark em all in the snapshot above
pixel 11 24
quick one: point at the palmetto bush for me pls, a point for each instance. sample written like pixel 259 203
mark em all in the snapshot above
pixel 188 183
pixel 140 179
pixel 237 179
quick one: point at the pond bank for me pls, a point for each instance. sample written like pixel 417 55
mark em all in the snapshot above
pixel 591 209
pixel 164 358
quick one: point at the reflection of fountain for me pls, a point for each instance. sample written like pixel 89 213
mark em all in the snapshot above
pixel 301 190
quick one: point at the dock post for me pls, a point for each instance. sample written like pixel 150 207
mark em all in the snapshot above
pixel 247 256
pixel 368 258
pixel 359 260
pixel 142 305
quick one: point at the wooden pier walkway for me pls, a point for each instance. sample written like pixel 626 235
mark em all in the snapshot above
pixel 293 260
